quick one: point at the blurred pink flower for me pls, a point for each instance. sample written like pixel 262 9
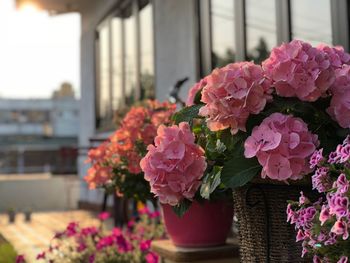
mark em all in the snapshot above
pixel 41 255
pixel 103 216
pixel 194 90
pixel 20 259
pixel 299 70
pixel 174 165
pixel 152 258
pixel 233 93
pixel 145 245
pixel 339 108
pixel 282 144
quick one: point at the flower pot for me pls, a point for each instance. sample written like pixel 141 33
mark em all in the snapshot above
pixel 203 225
pixel 12 216
pixel 265 235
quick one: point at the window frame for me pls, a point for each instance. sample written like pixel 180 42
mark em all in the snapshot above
pixel 136 6
pixel 339 18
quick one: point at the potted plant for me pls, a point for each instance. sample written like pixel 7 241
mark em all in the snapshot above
pixel 197 211
pixel 261 125
pixel 11 214
pixel 28 214
pixel 115 163
pixel 323 226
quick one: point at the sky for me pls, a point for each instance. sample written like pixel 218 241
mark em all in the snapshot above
pixel 37 51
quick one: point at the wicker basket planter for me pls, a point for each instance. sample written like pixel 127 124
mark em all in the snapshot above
pixel 265 235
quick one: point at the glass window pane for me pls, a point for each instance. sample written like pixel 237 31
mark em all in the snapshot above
pixel 261 29
pixel 222 32
pixel 146 52
pixel 130 59
pixel 104 70
pixel 311 25
pixel 117 87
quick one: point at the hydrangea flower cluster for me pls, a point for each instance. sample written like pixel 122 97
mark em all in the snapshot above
pixel 175 165
pixel 95 245
pixel 299 70
pixel 339 108
pixel 282 144
pixel 194 90
pixel 323 227
pixel 231 94
pixel 122 153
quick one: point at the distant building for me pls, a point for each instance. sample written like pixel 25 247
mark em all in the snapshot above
pixel 38 134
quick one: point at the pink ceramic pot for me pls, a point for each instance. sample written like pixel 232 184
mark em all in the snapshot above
pixel 203 225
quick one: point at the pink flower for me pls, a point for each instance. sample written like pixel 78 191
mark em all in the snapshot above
pixel 316 259
pixel 152 258
pixel 20 259
pixel 324 214
pixel 340 228
pixel 343 259
pixel 103 216
pixel 92 258
pixel 41 255
pixel 300 236
pixel 337 56
pixel 299 70
pixel 145 245
pixel 282 144
pixel 338 205
pixel 71 229
pixel 321 180
pixel 316 158
pixel 233 93
pixel 342 184
pixel 339 108
pixel 303 199
pixel 194 90
pixel 174 165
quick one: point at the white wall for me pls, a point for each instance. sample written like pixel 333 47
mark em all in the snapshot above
pixel 175 45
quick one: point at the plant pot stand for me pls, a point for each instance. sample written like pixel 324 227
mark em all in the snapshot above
pixel 169 253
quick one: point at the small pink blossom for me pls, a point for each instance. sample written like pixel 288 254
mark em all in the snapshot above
pixel 41 255
pixel 103 216
pixel 152 258
pixel 20 259
pixel 340 228
pixel 232 93
pixel 299 70
pixel 282 144
pixel 174 165
pixel 343 259
pixel 316 158
pixel 324 214
pixel 321 180
pixel 145 245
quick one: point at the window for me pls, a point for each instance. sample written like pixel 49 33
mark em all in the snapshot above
pixel 260 29
pixel 222 32
pixel 308 24
pixel 146 53
pixel 125 70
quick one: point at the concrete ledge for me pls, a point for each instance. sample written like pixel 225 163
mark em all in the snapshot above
pixel 38 192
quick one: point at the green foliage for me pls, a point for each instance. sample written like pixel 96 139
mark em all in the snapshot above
pixel 187 114
pixel 239 170
pixel 7 252
pixel 182 207
pixel 210 182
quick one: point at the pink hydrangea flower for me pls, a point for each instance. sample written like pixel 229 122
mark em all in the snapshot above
pixel 337 56
pixel 343 259
pixel 194 90
pixel 299 70
pixel 232 93
pixel 175 165
pixel 282 144
pixel 339 108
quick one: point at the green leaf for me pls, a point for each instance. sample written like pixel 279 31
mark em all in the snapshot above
pixel 210 182
pixel 187 114
pixel 182 208
pixel 239 170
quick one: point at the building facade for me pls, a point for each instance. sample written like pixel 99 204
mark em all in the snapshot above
pixel 136 49
pixel 39 135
